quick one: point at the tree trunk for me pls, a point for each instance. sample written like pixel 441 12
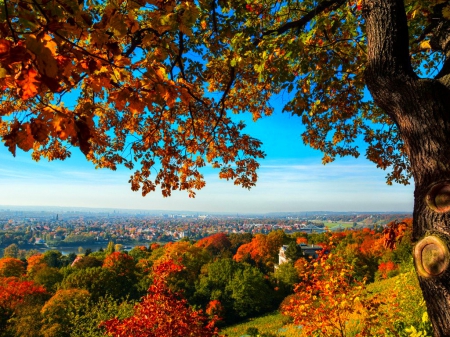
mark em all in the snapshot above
pixel 421 110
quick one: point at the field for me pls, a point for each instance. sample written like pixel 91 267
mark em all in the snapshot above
pixel 333 224
pixel 273 323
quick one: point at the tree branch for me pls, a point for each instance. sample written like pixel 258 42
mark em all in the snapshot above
pixel 179 60
pixel 13 32
pixel 222 100
pixel 137 38
pixel 298 24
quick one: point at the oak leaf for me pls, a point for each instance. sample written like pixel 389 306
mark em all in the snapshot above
pixel 25 139
pixel 28 83
pixel 44 55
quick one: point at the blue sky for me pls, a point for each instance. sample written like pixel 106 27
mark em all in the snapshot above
pixel 291 178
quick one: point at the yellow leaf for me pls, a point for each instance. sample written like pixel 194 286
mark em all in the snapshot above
pixel 425 45
pixel 161 73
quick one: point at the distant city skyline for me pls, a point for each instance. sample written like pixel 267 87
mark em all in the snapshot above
pixel 291 179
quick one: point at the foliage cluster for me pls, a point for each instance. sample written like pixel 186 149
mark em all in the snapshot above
pixel 216 281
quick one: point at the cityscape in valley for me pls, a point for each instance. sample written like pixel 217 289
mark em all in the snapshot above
pixel 47 227
pixel 93 272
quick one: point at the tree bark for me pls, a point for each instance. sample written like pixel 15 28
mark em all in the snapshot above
pixel 421 110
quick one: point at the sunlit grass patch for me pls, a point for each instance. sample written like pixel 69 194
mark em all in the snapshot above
pixel 269 323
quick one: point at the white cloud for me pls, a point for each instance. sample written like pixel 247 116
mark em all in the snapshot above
pixel 283 185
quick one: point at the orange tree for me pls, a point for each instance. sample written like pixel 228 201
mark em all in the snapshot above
pixel 144 72
pixel 216 243
pixel 263 249
pixel 162 312
pixel 192 258
pixel 20 302
pixel 330 302
pixel 35 263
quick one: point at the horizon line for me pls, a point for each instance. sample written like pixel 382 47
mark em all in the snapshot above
pixel 197 211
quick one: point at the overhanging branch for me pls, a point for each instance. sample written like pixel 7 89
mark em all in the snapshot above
pixel 300 23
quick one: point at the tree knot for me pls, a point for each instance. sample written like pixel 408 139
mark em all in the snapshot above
pixel 431 255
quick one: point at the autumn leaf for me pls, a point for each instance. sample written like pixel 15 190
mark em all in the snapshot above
pixel 83 134
pixel 64 127
pixel 425 45
pixel 44 54
pixel 25 139
pixel 5 46
pixel 28 83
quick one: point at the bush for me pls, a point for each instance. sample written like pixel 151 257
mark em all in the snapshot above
pixel 252 332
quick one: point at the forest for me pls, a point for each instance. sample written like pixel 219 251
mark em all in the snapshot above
pixel 361 283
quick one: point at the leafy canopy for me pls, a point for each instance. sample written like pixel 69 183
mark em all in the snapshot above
pixel 154 84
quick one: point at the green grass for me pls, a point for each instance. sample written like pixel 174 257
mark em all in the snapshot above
pixel 330 225
pixel 335 224
pixel 274 323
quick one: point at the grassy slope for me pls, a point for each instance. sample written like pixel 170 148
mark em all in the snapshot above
pixel 274 323
pixel 410 301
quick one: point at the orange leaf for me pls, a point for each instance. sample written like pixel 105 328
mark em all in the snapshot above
pixel 28 83
pixel 25 139
pixel 5 46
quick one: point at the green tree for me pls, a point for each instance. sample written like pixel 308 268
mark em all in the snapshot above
pixel 293 251
pixel 110 248
pixel 49 277
pixel 192 258
pixel 250 292
pixel 53 258
pixel 59 312
pixel 101 282
pixel 286 276
pixel 100 255
pixel 89 324
pixel 212 284
pixel 11 251
pixel 87 262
